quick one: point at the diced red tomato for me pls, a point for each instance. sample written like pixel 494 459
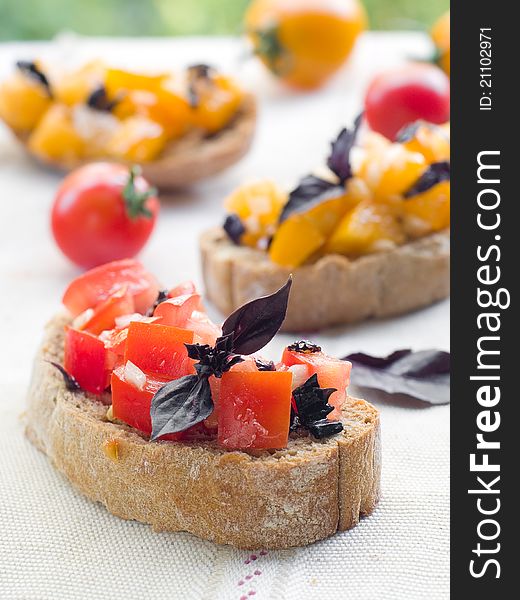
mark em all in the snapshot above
pixel 160 349
pixel 184 288
pixel 132 405
pixel 332 373
pixel 205 331
pixel 116 305
pixel 85 360
pixel 176 311
pixel 254 409
pixel 96 285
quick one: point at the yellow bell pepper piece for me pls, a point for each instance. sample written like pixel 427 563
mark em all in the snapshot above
pixel 219 99
pixel 431 141
pixel 258 205
pixel 56 138
pixel 75 87
pixel 431 208
pixel 391 171
pixel 23 102
pixel 137 139
pixel 368 227
pixel 302 234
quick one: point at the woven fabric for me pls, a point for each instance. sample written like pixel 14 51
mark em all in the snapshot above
pixel 56 545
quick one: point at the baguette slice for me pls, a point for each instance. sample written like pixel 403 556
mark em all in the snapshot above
pixel 333 290
pixel 291 497
pixel 192 157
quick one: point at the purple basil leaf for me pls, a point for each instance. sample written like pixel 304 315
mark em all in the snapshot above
pixel 339 159
pixel 257 322
pixel 180 404
pixel 423 375
pixel 234 228
pixel 310 192
pixel 434 174
pixel 70 382
pixel 98 100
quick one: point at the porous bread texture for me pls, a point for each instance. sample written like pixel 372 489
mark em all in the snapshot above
pixel 280 499
pixel 333 290
pixel 194 156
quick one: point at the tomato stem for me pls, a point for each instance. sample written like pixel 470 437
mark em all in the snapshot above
pixel 135 200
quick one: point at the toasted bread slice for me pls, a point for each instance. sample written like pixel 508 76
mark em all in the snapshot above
pixel 290 497
pixel 334 289
pixel 193 157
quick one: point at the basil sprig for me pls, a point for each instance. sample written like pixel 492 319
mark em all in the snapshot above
pixel 184 402
pixel 434 174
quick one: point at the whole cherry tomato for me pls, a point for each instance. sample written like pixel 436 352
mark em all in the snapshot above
pixel 103 212
pixel 304 42
pixel 406 94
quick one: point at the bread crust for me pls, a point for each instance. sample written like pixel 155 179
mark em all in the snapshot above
pixel 271 500
pixel 192 157
pixel 333 290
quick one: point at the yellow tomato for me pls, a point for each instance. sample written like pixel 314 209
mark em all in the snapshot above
pixel 432 141
pixel 23 101
pixel 391 170
pixel 137 139
pixel 258 205
pixel 303 234
pixel 55 138
pixel 216 101
pixel 429 211
pixel 304 42
pixel 75 87
pixel 441 38
pixel 368 227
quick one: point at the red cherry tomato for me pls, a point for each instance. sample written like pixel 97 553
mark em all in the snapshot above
pixel 406 94
pixel 95 286
pixel 103 212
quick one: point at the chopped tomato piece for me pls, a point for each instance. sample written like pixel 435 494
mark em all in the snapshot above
pixel 184 288
pixel 85 359
pixel 332 373
pixel 116 305
pixel 205 331
pixel 96 285
pixel 254 409
pixel 160 349
pixel 176 311
pixel 132 405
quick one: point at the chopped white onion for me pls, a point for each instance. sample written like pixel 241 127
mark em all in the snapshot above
pixel 134 375
pixel 300 374
pixel 83 318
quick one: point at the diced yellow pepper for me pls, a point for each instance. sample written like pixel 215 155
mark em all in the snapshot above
pixel 431 208
pixel 258 205
pixel 162 105
pixel 219 99
pixel 431 141
pixel 118 81
pixel 391 171
pixel 368 227
pixel 137 139
pixel 23 102
pixel 56 138
pixel 75 87
pixel 302 234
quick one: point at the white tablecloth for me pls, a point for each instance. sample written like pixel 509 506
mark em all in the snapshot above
pixel 54 544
